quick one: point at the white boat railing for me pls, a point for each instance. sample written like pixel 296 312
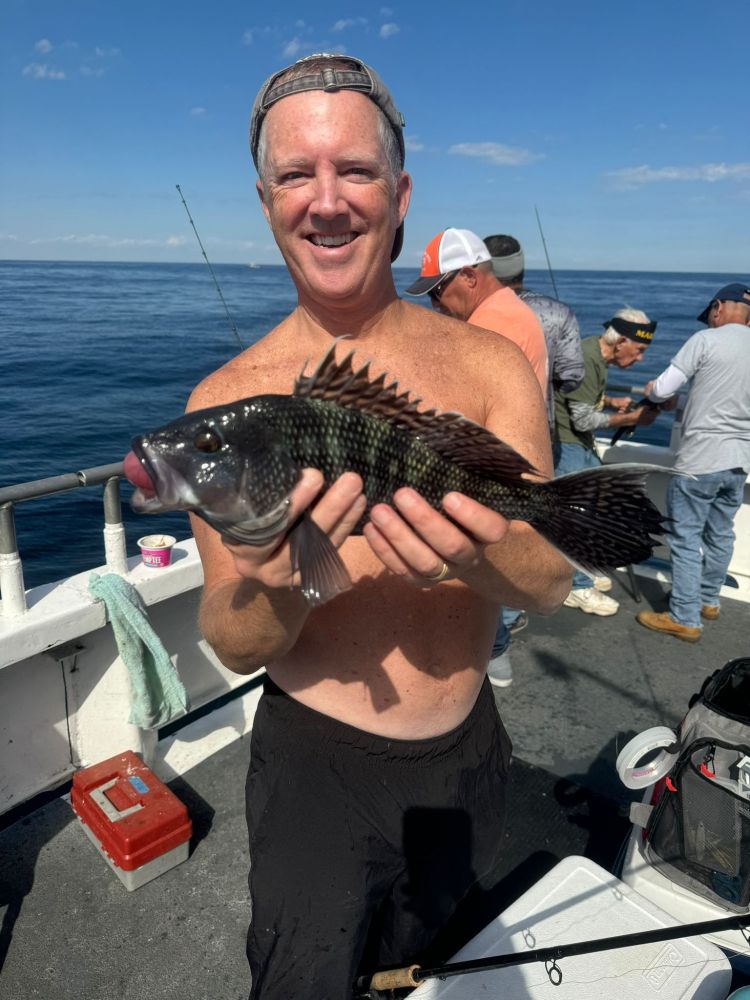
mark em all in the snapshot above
pixel 12 587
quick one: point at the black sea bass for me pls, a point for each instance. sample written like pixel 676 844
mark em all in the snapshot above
pixel 235 466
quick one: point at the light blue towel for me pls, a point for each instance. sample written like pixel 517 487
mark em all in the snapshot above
pixel 158 692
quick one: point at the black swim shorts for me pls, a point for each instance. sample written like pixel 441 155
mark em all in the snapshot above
pixel 362 847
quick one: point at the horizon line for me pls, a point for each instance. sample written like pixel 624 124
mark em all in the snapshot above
pixel 414 267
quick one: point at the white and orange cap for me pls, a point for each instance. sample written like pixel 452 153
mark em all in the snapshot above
pixel 448 251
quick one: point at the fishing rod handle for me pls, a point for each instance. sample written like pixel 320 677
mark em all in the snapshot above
pixel 395 979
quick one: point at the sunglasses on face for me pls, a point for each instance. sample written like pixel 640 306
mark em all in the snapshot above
pixel 438 290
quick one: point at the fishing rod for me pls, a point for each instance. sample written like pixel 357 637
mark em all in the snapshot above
pixel 370 987
pixel 205 257
pixel 544 244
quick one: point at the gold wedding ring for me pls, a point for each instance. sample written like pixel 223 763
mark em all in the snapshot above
pixel 440 575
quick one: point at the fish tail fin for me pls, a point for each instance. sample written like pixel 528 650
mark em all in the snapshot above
pixel 601 518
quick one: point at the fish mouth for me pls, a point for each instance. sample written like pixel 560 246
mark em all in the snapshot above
pixel 171 491
pixel 234 519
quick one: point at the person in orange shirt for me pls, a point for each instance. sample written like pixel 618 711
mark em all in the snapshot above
pixel 458 276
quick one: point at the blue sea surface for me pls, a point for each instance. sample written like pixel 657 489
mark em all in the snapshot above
pixel 94 353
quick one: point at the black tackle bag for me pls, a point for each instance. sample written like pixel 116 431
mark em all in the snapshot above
pixel 698 833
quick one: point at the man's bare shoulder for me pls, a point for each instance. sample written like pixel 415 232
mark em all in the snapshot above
pixel 463 343
pixel 453 365
pixel 267 366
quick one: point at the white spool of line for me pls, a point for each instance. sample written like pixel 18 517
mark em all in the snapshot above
pixel 633 773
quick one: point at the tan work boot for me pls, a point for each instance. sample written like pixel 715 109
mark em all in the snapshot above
pixel 710 612
pixel 660 621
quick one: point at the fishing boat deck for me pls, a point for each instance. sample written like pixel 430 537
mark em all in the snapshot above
pixel 582 687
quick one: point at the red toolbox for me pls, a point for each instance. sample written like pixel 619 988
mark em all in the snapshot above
pixel 139 826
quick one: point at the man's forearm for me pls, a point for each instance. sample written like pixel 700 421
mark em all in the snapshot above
pixel 665 386
pixel 249 626
pixel 522 571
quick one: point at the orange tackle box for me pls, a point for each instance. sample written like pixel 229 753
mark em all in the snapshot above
pixel 138 825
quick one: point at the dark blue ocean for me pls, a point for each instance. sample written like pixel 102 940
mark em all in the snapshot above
pixel 94 353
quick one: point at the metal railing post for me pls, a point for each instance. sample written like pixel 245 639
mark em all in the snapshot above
pixel 115 550
pixel 11 571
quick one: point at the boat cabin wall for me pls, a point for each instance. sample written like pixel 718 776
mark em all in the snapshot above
pixel 65 693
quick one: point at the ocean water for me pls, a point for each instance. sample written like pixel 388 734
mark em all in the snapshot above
pixel 94 353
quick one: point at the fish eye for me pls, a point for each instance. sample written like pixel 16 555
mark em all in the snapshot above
pixel 207 440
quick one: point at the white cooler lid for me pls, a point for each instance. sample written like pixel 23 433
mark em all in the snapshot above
pixel 579 901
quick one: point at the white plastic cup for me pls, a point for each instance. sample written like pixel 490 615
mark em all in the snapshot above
pixel 156 550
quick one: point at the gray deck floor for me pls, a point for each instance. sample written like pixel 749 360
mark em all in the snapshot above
pixel 583 686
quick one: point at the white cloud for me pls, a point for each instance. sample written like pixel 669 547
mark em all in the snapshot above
pixel 222 241
pixel 102 240
pixel 388 30
pixel 41 71
pixel 292 48
pixel 44 45
pixel 349 22
pixel 198 112
pixel 252 35
pixel 412 144
pixel 496 153
pixel 92 66
pixel 711 173
pixel 386 12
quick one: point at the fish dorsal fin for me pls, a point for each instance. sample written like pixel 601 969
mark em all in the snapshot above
pixel 451 435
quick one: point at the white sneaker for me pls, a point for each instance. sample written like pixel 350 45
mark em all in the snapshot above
pixel 500 671
pixel 603 584
pixel 589 599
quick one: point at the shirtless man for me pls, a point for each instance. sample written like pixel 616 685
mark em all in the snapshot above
pixel 375 795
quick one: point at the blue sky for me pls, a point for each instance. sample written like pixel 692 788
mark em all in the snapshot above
pixel 626 124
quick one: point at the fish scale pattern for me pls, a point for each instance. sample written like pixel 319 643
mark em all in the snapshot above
pixel 335 439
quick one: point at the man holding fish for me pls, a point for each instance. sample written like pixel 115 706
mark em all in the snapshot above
pixel 368 584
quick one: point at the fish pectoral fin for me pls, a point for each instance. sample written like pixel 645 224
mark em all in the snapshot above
pixel 322 573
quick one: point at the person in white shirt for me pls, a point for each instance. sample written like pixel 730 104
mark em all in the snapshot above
pixel 714 455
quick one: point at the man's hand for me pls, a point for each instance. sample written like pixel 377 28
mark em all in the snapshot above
pixel 639 416
pixel 336 512
pixel 414 540
pixel 645 415
pixel 667 405
pixel 619 403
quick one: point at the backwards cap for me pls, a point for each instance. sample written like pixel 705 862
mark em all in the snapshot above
pixel 449 251
pixel 329 78
pixel 357 76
